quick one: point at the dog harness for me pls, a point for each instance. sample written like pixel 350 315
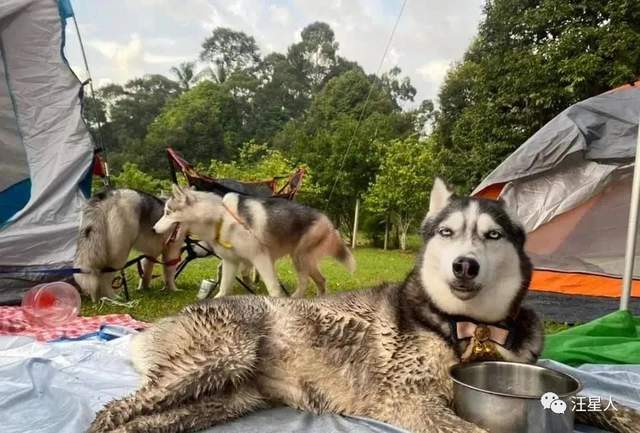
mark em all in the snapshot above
pixel 218 238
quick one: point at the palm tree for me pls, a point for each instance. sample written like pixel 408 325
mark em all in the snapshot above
pixel 185 74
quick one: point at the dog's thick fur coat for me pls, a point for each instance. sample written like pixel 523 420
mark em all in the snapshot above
pixel 113 223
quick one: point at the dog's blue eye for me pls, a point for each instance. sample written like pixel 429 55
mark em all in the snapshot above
pixel 445 232
pixel 494 234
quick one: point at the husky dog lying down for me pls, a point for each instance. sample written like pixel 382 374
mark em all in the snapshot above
pixel 249 231
pixel 382 353
pixel 113 223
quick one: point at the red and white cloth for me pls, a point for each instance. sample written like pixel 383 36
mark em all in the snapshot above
pixel 14 322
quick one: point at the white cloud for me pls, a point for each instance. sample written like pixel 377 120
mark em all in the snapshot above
pixel 434 71
pixel 127 58
pixel 429 36
pixel 131 58
pixel 392 58
pixel 101 82
pixel 79 71
pixel 160 42
pixel 159 58
pixel 279 15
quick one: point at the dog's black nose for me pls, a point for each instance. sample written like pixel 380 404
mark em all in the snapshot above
pixel 466 268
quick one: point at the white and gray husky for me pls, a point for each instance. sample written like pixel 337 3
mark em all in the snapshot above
pixel 247 231
pixel 382 353
pixel 113 223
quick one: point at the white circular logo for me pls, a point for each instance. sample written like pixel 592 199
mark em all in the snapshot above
pixel 548 398
pixel 558 406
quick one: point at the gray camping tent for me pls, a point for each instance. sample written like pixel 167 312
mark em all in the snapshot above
pixel 570 184
pixel 47 153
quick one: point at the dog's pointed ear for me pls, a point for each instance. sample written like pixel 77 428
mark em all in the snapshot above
pixel 440 195
pixel 176 190
pixel 188 196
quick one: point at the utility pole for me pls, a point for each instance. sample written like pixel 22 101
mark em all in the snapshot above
pixel 355 224
pixel 386 231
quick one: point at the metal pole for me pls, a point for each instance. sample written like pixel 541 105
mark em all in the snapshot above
pixel 632 230
pixel 101 147
pixel 386 232
pixel 355 224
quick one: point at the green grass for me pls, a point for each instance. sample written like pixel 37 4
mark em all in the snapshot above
pixel 553 327
pixel 374 267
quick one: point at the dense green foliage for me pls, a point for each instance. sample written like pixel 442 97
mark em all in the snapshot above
pixel 530 60
pixel 402 185
pixel 201 123
pixel 239 113
pixel 132 177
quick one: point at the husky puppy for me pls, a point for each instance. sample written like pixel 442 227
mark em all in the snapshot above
pixel 247 231
pixel 114 222
pixel 382 353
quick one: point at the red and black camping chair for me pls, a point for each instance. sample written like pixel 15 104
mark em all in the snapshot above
pixel 262 188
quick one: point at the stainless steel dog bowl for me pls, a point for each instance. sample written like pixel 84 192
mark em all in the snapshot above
pixel 505 397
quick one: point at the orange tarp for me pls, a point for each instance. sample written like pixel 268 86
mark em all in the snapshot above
pixel 580 284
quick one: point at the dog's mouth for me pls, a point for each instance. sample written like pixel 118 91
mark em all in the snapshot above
pixel 464 290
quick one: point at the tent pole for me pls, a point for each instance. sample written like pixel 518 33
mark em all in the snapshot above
pixel 101 146
pixel 632 230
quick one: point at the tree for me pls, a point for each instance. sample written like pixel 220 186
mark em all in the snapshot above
pixel 425 117
pixel 94 112
pixel 339 138
pixel 127 110
pixel 402 184
pixel 287 83
pixel 228 52
pixel 400 89
pixel 530 60
pixel 132 177
pixel 202 123
pixel 185 74
pixel 133 107
pixel 254 162
pixel 279 98
pixel 314 56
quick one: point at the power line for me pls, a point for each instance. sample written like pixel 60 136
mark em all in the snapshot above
pixel 366 101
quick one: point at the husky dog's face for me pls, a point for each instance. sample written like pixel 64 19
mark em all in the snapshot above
pixel 185 207
pixel 473 261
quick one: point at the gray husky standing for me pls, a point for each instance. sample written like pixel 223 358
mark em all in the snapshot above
pixel 382 353
pixel 113 223
pixel 248 231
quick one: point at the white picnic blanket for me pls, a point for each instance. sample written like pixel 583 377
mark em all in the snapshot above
pixel 58 387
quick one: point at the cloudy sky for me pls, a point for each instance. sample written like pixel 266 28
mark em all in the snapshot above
pixel 128 38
